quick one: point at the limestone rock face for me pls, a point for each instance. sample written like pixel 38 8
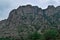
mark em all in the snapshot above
pixel 26 19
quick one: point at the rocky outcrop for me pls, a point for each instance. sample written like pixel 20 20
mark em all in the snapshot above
pixel 26 19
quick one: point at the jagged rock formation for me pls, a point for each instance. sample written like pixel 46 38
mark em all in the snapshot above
pixel 26 19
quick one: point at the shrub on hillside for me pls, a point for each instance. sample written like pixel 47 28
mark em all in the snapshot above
pixel 35 36
pixel 51 34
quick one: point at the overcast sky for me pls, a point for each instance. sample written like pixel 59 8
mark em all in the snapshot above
pixel 7 5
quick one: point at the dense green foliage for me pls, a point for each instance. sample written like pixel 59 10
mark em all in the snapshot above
pixel 8 38
pixel 51 34
pixel 35 36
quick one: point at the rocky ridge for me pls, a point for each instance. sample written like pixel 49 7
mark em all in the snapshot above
pixel 26 19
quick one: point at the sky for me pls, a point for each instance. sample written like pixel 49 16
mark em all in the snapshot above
pixel 7 5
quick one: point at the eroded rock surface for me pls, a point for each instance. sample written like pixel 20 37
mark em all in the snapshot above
pixel 26 19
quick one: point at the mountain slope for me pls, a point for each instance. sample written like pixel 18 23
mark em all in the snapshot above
pixel 27 19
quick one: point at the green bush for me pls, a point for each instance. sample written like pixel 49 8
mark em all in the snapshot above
pixel 35 36
pixel 51 34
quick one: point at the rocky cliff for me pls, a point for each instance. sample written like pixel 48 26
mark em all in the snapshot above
pixel 26 19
